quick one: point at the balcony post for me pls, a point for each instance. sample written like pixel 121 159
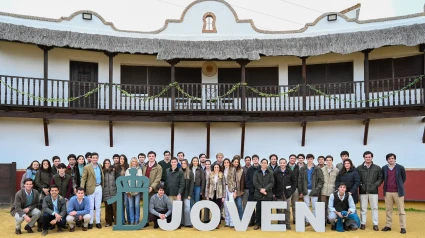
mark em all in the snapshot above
pixel 173 63
pixel 304 76
pixel 366 74
pixel 422 49
pixel 111 56
pixel 46 50
pixel 243 63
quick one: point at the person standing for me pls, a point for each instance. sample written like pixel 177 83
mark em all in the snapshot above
pixel 187 193
pixel 79 210
pixel 88 157
pixel 246 185
pixel 174 182
pixel 240 183
pixel 54 207
pixel 199 180
pixel 263 183
pixel 25 207
pixel 180 157
pixel 351 178
pixel 344 156
pixel 216 187
pixel 79 170
pixel 202 160
pixel 296 171
pixel 63 181
pixel 329 177
pixel 219 160
pixel 394 176
pixel 31 172
pixel 273 166
pixel 310 183
pixel 321 161
pixel 120 170
pixel 250 180
pixel 116 160
pixel 301 159
pixel 133 198
pixel 165 164
pixel 284 186
pixel 207 175
pixel 71 169
pixel 93 181
pixel 108 192
pixel 153 171
pixel 56 161
pixel 142 158
pixel 370 179
pixel 230 193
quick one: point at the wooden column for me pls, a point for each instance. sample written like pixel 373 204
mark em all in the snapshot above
pixel 46 131
pixel 111 56
pixel 111 134
pixel 243 139
pixel 243 63
pixel 46 50
pixel 304 126
pixel 366 130
pixel 304 76
pixel 208 138
pixel 366 74
pixel 173 79
pixel 422 49
pixel 172 139
pixel 423 137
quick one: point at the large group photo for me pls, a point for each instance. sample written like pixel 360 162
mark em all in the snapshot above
pixel 56 195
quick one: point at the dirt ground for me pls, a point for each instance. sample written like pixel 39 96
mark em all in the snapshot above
pixel 415 214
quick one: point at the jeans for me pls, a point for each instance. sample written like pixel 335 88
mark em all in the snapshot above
pixel 196 195
pixel 245 197
pixel 238 201
pixel 186 213
pixel 134 207
pixel 285 211
pixel 229 198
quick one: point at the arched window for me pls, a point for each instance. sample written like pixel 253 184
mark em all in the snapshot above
pixel 209 23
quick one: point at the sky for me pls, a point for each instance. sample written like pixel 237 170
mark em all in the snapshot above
pixel 149 15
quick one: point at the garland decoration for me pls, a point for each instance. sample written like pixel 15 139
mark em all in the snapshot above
pixel 144 99
pixel 295 89
pixel 364 100
pixel 57 100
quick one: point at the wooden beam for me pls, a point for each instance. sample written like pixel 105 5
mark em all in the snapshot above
pixel 304 126
pixel 208 138
pixel 242 139
pixel 423 137
pixel 173 79
pixel 304 76
pixel 111 75
pixel 243 64
pixel 172 139
pixel 46 50
pixel 366 74
pixel 46 131
pixel 366 130
pixel 111 134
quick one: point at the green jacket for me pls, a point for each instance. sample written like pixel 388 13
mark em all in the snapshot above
pixel 263 181
pixel 317 181
pixel 370 178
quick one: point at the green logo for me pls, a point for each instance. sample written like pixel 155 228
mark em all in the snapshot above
pixel 128 184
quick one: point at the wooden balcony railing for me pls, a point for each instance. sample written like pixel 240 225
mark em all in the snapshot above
pixel 36 92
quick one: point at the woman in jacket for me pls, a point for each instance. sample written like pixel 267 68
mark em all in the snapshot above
pixel 216 187
pixel 30 173
pixel 199 180
pixel 43 177
pixel 263 182
pixel 230 181
pixel 207 173
pixel 240 183
pixel 133 198
pixel 350 176
pixel 81 162
pixel 187 193
pixel 109 191
pixel 120 170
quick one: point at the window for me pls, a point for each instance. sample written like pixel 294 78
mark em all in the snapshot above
pixel 405 67
pixel 265 79
pixel 329 78
pixel 136 79
pixel 209 20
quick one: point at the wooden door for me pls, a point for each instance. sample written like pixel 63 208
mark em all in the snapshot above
pixel 83 78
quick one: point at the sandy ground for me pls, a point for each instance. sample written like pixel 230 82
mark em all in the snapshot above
pixel 415 228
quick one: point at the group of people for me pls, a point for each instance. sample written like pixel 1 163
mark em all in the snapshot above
pixel 72 194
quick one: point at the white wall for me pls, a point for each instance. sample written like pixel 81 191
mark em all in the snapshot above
pixel 23 139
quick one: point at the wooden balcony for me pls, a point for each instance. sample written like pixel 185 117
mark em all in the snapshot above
pixel 385 98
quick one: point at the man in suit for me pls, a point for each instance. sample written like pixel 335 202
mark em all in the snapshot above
pixel 25 207
pixel 92 181
pixel 54 207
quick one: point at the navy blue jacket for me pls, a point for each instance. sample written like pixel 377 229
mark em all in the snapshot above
pixel 400 176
